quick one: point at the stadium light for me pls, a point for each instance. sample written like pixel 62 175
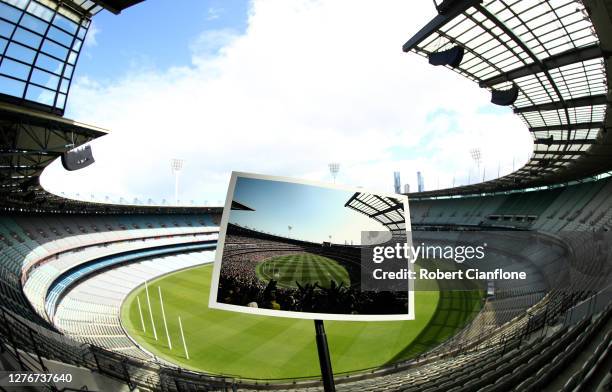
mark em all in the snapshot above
pixel 334 168
pixel 176 165
pixel 477 157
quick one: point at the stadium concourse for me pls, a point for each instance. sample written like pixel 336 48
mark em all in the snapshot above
pixel 66 265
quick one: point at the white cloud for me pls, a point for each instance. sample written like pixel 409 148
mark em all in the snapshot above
pixel 92 34
pixel 214 13
pixel 309 82
pixel 210 42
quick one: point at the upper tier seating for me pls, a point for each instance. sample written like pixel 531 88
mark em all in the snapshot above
pixel 584 207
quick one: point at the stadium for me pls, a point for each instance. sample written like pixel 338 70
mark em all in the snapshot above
pixel 73 273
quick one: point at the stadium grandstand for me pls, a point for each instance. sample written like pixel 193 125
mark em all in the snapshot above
pixel 253 270
pixel 67 266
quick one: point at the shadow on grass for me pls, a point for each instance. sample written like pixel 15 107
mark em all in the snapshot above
pixel 455 310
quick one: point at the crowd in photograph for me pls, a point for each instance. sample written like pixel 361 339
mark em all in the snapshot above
pixel 310 297
pixel 240 285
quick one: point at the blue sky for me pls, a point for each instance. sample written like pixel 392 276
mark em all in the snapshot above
pixel 278 87
pixel 156 35
pixel 313 212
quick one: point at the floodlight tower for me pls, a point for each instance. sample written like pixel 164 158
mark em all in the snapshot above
pixel 334 168
pixel 477 157
pixel 176 165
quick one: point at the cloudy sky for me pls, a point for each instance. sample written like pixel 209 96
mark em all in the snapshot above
pixel 280 87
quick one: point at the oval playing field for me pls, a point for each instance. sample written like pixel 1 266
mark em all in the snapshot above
pixel 249 346
pixel 302 268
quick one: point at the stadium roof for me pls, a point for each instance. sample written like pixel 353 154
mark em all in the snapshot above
pixel 37 67
pixel 236 205
pixel 114 6
pixel 30 141
pixel 556 55
pixel 92 7
pixel 40 43
pixel 385 210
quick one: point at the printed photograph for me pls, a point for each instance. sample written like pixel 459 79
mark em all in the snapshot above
pixel 291 246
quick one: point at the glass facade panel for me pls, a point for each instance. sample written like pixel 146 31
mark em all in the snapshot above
pixel 27 38
pixel 49 64
pixel 20 52
pixel 40 95
pixel 43 78
pixel 11 86
pixel 34 24
pixel 14 69
pixel 39 40
pixel 60 36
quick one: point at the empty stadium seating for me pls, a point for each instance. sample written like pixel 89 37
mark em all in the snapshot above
pixel 582 206
pixel 31 241
pixel 90 311
pixel 523 327
pixel 520 327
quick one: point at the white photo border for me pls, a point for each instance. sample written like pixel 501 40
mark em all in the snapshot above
pixel 214 287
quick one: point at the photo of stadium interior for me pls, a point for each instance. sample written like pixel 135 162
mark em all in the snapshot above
pixel 260 270
pixel 72 272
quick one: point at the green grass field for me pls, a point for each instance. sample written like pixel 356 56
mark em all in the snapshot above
pixel 303 268
pixel 259 347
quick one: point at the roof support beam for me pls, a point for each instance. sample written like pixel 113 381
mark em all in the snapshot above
pixel 458 7
pixel 552 160
pixel 20 167
pixel 386 211
pixel 563 142
pixel 536 61
pixel 570 103
pixel 351 199
pixel 11 152
pixel 545 152
pixel 553 164
pixel 385 202
pixel 116 6
pixel 567 127
pixel 569 57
